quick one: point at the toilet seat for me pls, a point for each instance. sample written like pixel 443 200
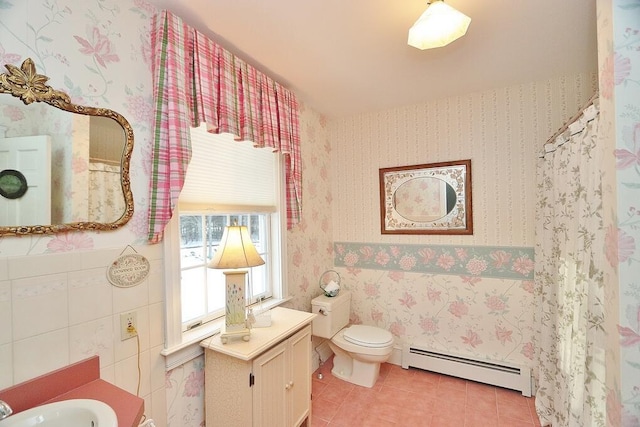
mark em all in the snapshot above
pixel 368 336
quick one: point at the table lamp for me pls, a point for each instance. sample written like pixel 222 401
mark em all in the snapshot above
pixel 236 252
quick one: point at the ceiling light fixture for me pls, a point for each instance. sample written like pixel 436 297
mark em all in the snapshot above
pixel 438 26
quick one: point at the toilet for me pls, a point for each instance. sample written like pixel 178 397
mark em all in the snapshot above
pixel 359 349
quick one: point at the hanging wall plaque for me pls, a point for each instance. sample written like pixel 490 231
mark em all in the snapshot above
pixel 128 270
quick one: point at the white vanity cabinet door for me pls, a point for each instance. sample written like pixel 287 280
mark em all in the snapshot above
pixel 228 393
pixel 282 383
pixel 263 382
pixel 270 387
pixel 300 390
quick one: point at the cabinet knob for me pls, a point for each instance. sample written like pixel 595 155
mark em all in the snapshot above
pixel 287 386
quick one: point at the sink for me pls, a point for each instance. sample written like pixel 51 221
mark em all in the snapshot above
pixel 66 413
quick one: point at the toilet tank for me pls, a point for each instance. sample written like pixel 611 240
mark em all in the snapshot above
pixel 332 314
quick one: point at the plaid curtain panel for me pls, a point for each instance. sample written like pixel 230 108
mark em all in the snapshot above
pixel 195 81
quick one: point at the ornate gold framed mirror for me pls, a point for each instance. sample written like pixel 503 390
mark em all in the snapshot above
pixel 75 167
pixel 432 198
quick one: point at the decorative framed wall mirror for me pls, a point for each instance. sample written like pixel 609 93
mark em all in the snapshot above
pixel 431 198
pixel 64 166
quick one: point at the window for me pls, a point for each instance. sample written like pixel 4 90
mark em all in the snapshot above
pixel 201 288
pixel 226 181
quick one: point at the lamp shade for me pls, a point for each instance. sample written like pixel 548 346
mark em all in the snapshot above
pixel 236 250
pixel 438 26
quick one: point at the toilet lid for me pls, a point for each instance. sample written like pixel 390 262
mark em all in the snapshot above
pixel 368 336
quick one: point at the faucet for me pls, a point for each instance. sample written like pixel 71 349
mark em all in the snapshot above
pixel 5 410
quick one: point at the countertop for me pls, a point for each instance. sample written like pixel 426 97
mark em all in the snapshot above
pixel 128 407
pixel 284 322
pixel 77 381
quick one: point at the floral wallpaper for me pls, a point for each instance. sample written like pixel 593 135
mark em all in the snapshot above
pixel 310 243
pixel 473 301
pixel 97 52
pixel 468 261
pixel 185 394
pixel 470 295
pixel 619 63
pixel 309 248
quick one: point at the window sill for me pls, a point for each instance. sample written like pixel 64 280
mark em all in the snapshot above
pixel 189 348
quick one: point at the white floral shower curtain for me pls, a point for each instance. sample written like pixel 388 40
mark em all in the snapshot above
pixel 106 200
pixel 569 278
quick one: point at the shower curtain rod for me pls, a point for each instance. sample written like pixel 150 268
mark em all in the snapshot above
pixel 573 118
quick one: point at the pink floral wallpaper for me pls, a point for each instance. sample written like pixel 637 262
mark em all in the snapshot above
pixel 98 51
pixel 476 316
pixel 185 394
pixel 466 300
pixel 467 261
pixel 469 295
pixel 310 243
pixel 309 247
pixel 619 62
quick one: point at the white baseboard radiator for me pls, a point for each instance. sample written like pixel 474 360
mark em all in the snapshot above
pixel 488 372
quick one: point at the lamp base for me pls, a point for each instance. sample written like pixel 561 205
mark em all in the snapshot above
pixel 245 334
pixel 235 317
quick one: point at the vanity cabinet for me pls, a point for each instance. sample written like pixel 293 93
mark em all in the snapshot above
pixel 264 382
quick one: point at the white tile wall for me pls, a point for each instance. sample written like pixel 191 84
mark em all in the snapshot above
pixel 126 372
pixel 156 323
pixel 158 407
pixel 40 354
pixel 156 275
pixel 6 365
pixel 90 338
pixel 4 270
pixel 5 312
pixel 40 304
pixel 126 299
pixel 90 295
pixel 57 309
pixel 39 265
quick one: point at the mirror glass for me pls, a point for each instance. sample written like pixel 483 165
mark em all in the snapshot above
pixel 424 199
pixel 431 198
pixel 74 159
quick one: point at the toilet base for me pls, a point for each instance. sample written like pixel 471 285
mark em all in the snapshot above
pixel 348 369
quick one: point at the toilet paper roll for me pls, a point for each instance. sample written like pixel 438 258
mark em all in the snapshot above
pixel 331 287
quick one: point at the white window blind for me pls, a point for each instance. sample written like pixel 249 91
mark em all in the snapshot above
pixel 224 172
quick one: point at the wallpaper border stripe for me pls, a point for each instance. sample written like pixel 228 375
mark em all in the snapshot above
pixel 504 262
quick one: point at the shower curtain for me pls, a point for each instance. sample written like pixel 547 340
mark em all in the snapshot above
pixel 106 199
pixel 569 250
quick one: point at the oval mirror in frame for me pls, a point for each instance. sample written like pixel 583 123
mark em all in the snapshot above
pixel 86 184
pixel 430 198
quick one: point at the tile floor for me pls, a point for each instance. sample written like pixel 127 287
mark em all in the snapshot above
pixel 416 398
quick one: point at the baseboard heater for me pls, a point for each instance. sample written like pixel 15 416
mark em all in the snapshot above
pixel 488 372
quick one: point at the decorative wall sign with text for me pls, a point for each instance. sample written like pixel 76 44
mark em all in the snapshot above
pixel 128 270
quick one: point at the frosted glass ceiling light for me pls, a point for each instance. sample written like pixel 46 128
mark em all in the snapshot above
pixel 438 26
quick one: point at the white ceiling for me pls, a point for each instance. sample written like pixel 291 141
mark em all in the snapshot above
pixel 344 57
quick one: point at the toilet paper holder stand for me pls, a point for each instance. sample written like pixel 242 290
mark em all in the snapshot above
pixel 330 283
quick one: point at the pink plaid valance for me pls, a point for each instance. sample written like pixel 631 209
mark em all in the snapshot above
pixel 195 81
